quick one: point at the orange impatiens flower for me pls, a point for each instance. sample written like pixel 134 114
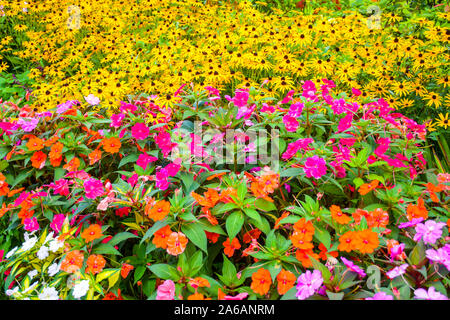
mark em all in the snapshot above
pixel 38 159
pixel 212 236
pixel 366 241
pixel 55 154
pixel 209 198
pixel 161 236
pixel 4 187
pixel 35 144
pixel 95 156
pixel 95 263
pixel 359 214
pixel 250 235
pixel 176 243
pixel 378 219
pixel 347 241
pixel 111 145
pixel 94 231
pixel 197 296
pixel 199 282
pixel 157 211
pixel 4 209
pixel 230 246
pixel 304 257
pixel 125 270
pixel 286 280
pixel 72 165
pixel 299 241
pixel 338 216
pixel 304 229
pixel 417 211
pixel 261 281
pixel 367 187
pixel 324 253
pixel 278 221
pixel 72 262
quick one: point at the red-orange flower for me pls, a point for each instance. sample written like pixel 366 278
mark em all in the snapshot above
pixel 4 187
pixel 72 262
pixel 417 211
pixel 366 241
pixel 367 187
pixel 304 229
pixel 378 219
pixel 38 159
pixel 338 215
pixel 95 263
pixel 347 241
pixel 94 231
pixel 277 222
pixel 197 296
pixel 111 145
pixel 209 198
pixel 358 214
pixel 304 257
pixel 35 144
pixel 199 282
pixel 157 211
pixel 324 253
pixel 299 241
pixel 230 246
pixel 251 234
pixel 72 165
pixel 212 236
pixel 161 236
pixel 55 154
pixel 112 296
pixel 176 243
pixel 125 270
pixel 286 280
pixel 261 281
pixel 95 156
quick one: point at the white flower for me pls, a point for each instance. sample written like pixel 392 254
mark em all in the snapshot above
pixel 80 289
pixel 53 269
pixel 29 242
pixel 13 291
pixel 92 100
pixel 42 253
pixel 10 253
pixel 32 274
pixel 49 293
pixel 55 245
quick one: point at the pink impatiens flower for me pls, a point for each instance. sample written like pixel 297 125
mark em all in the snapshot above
pixel 290 123
pixel 144 159
pixel 380 296
pixel 315 167
pixel 308 283
pixel 57 222
pixel 31 224
pixel 431 294
pixel 397 271
pixel 93 188
pixel 429 232
pixel 166 291
pixel 140 131
pixel 116 120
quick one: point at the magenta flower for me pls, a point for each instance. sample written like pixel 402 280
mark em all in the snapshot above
pixel 245 112
pixel 431 294
pixel 397 271
pixel 164 142
pixel 140 131
pixel 295 110
pixel 430 231
pixel 293 147
pixel 309 91
pixel 315 167
pixel 28 124
pixel 308 283
pixel 240 98
pixel 166 291
pixel 93 188
pixel 162 181
pixel 144 159
pixel 353 267
pixel 380 296
pixel 290 123
pixel 57 222
pixel 288 97
pixel 397 251
pixel 60 186
pixel 441 255
pixel 411 223
pixel 31 224
pixel 116 120
pixel 345 123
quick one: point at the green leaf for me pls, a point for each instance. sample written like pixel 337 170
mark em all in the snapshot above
pixel 138 273
pixel 121 237
pixel 264 205
pixel 323 236
pixel 418 253
pixel 131 158
pixel 158 225
pixel 106 248
pixel 252 213
pixel 196 234
pixel 335 296
pixel 291 172
pixel 106 273
pixel 234 224
pixel 326 274
pixel 164 271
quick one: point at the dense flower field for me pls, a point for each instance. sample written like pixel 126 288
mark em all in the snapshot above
pixel 220 150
